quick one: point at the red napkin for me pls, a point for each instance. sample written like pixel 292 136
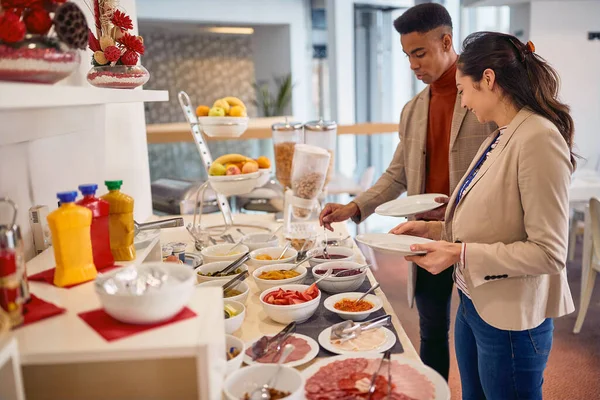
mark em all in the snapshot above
pixel 38 309
pixel 111 329
pixel 48 276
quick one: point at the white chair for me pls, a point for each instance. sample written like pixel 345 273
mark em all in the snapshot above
pixel 588 288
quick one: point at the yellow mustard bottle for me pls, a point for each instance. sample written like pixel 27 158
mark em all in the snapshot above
pixel 120 225
pixel 71 239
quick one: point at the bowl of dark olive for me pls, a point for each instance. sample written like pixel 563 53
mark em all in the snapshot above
pixel 333 254
pixel 208 272
pixel 347 281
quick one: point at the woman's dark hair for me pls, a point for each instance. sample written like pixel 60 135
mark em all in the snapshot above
pixel 423 18
pixel 524 76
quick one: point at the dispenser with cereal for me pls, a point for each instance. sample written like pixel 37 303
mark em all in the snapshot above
pixel 309 170
pixel 323 134
pixel 285 137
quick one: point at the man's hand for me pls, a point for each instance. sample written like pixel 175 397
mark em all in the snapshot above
pixel 334 212
pixel 436 214
pixel 430 230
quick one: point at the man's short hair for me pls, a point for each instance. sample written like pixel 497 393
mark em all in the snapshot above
pixel 423 18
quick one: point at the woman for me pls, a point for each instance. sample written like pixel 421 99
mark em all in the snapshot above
pixel 506 224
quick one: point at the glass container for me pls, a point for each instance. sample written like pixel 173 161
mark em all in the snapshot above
pixel 323 134
pixel 285 137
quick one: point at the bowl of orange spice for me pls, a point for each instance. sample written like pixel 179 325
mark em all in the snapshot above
pixel 347 307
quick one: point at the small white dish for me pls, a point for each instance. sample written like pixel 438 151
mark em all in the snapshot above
pixel 242 287
pixel 245 380
pixel 329 304
pixel 339 284
pixel 234 185
pixel 344 254
pixel 410 205
pixel 235 363
pixel 325 341
pixel 264 284
pixel 223 126
pixel 273 252
pixel 220 252
pixel 232 324
pixel 214 267
pixel 390 243
pixel 259 240
pixel 286 314
pixel 311 355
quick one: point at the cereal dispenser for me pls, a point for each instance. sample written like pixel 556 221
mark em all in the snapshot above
pixel 323 134
pixel 285 136
pixel 309 170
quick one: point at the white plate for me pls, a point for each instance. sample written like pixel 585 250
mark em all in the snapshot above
pixel 389 243
pixel 410 205
pixel 442 391
pixel 314 351
pixel 325 341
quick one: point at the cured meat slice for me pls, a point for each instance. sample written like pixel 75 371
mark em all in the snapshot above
pixel 302 348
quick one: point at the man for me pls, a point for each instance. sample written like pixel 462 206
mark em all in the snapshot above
pixel 438 140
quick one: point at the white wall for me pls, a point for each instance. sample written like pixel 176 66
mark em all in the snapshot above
pixel 294 13
pixel 559 32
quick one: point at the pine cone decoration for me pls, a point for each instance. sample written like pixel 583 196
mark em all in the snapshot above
pixel 70 26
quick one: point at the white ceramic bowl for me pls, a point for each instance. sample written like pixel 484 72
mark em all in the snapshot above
pixel 218 252
pixel 234 185
pixel 354 316
pixel 233 324
pixel 264 178
pixel 214 267
pixel 154 306
pixel 255 241
pixel 274 252
pixel 223 126
pixel 339 284
pixel 341 251
pixel 246 379
pixel 235 363
pixel 286 314
pixel 264 284
pixel 242 287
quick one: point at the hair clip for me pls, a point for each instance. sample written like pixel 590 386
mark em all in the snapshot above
pixel 530 46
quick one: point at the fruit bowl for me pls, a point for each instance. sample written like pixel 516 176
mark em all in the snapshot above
pixel 265 177
pixel 234 185
pixel 223 126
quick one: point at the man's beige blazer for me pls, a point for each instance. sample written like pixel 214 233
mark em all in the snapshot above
pixel 514 220
pixel 407 173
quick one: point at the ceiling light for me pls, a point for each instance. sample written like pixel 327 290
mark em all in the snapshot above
pixel 230 30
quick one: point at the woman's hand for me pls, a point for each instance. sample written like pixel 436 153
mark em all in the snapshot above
pixel 429 230
pixel 440 256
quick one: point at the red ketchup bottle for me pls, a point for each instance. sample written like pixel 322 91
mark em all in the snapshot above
pixel 99 231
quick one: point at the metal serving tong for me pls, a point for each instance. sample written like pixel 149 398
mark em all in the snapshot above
pixel 348 330
pixel 386 356
pixel 165 223
pixel 235 281
pixel 234 265
pixel 264 345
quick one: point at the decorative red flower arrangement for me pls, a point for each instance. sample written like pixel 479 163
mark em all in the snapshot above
pixel 39 39
pixel 115 47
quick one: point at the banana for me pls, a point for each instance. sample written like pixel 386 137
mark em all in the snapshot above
pixel 234 101
pixel 231 158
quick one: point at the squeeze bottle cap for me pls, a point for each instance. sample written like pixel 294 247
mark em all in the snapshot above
pixel 113 185
pixel 66 197
pixel 88 189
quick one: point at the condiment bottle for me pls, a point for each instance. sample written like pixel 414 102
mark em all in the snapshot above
pixel 285 137
pixel 71 239
pixel 100 220
pixel 121 225
pixel 11 272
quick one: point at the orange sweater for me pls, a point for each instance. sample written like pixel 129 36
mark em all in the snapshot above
pixel 441 110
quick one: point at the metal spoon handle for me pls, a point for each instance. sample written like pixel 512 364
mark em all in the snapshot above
pixel 239 278
pixel 165 223
pixel 326 275
pixel 287 246
pixel 301 262
pixel 234 264
pixel 375 286
pixel 275 233
pixel 287 350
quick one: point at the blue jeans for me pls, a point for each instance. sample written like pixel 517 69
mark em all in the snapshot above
pixel 498 364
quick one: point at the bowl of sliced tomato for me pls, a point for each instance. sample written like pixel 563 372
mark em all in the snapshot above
pixel 287 303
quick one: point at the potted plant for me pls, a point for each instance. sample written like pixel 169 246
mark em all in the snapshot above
pixel 274 105
pixel 116 51
pixel 39 40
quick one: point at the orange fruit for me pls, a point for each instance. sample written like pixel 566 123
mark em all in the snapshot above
pixel 237 111
pixel 202 111
pixel 263 162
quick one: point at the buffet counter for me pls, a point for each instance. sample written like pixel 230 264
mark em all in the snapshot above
pixel 62 357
